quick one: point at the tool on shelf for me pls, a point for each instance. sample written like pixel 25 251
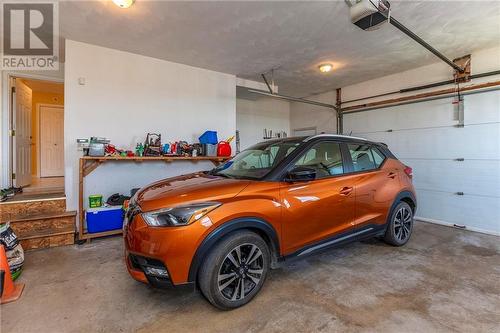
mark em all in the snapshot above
pixel 153 145
pixel 268 134
pixel 97 146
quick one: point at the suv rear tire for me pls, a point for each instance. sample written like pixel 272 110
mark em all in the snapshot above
pixel 235 270
pixel 400 226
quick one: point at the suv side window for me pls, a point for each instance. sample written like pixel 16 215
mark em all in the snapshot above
pixel 325 158
pixel 307 157
pixel 365 157
pixel 378 157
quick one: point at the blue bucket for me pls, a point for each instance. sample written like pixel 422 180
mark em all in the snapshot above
pixel 209 137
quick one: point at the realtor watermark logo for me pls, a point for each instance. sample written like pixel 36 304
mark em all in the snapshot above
pixel 30 36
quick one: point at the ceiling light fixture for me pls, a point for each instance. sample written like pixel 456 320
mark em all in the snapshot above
pixel 325 68
pixel 124 3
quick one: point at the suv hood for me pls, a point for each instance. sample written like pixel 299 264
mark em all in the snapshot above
pixel 189 188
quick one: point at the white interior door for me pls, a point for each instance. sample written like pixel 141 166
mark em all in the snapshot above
pixel 22 137
pixel 51 141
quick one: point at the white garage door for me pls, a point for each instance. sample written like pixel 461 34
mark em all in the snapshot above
pixel 424 136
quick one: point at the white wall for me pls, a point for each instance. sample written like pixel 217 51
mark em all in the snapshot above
pixel 252 116
pixel 127 95
pixel 254 85
pixel 306 115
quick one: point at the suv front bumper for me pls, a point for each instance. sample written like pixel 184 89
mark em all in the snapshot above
pixel 161 256
pixel 154 272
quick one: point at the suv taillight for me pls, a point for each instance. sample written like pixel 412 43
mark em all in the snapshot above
pixel 409 171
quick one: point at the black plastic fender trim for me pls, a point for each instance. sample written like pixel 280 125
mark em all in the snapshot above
pixel 406 194
pixel 401 195
pixel 223 230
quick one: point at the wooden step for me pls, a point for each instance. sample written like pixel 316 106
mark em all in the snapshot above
pixel 27 225
pixel 34 217
pixel 11 210
pixel 44 230
pixel 48 240
pixel 45 190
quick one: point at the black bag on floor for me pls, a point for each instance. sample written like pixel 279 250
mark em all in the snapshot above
pixel 117 199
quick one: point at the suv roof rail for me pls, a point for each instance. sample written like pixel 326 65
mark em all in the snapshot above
pixel 333 136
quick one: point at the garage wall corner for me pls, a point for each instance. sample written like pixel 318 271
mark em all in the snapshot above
pixel 253 116
pixel 306 116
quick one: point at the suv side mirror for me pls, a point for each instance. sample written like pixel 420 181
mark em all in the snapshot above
pixel 301 174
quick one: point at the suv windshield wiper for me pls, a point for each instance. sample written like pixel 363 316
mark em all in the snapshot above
pixel 221 175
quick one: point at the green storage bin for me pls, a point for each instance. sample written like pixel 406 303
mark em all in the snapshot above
pixel 95 201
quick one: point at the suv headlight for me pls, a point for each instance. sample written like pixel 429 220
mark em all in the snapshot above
pixel 180 215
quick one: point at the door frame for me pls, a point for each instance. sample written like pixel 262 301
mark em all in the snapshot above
pixel 39 141
pixel 6 147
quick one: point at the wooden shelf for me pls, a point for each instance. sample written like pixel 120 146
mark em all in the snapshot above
pixel 90 163
pixel 157 158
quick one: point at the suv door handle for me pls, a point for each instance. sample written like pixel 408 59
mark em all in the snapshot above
pixel 391 175
pixel 346 191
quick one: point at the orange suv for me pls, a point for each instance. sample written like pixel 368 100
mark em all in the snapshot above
pixel 222 230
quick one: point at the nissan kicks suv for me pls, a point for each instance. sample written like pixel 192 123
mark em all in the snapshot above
pixel 223 230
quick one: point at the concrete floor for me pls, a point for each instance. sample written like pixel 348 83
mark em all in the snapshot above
pixel 443 280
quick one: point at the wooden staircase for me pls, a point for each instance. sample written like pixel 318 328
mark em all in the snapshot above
pixel 40 223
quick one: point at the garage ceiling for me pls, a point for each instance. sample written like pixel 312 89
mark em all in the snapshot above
pixel 248 38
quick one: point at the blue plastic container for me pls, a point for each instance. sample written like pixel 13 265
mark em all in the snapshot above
pixel 209 137
pixel 104 219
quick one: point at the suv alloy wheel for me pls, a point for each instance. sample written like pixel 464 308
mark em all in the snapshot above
pixel 235 270
pixel 401 225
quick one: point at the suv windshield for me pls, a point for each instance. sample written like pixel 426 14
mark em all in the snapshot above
pixel 257 161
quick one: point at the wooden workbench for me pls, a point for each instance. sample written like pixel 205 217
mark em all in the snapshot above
pixel 90 163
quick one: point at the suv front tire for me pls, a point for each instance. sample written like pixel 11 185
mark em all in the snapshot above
pixel 235 270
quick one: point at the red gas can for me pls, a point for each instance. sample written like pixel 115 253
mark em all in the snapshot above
pixel 224 149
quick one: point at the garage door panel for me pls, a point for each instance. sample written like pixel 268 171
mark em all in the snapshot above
pixel 402 117
pixel 425 137
pixel 471 177
pixel 481 108
pixel 478 213
pixel 470 142
pixel 478 108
